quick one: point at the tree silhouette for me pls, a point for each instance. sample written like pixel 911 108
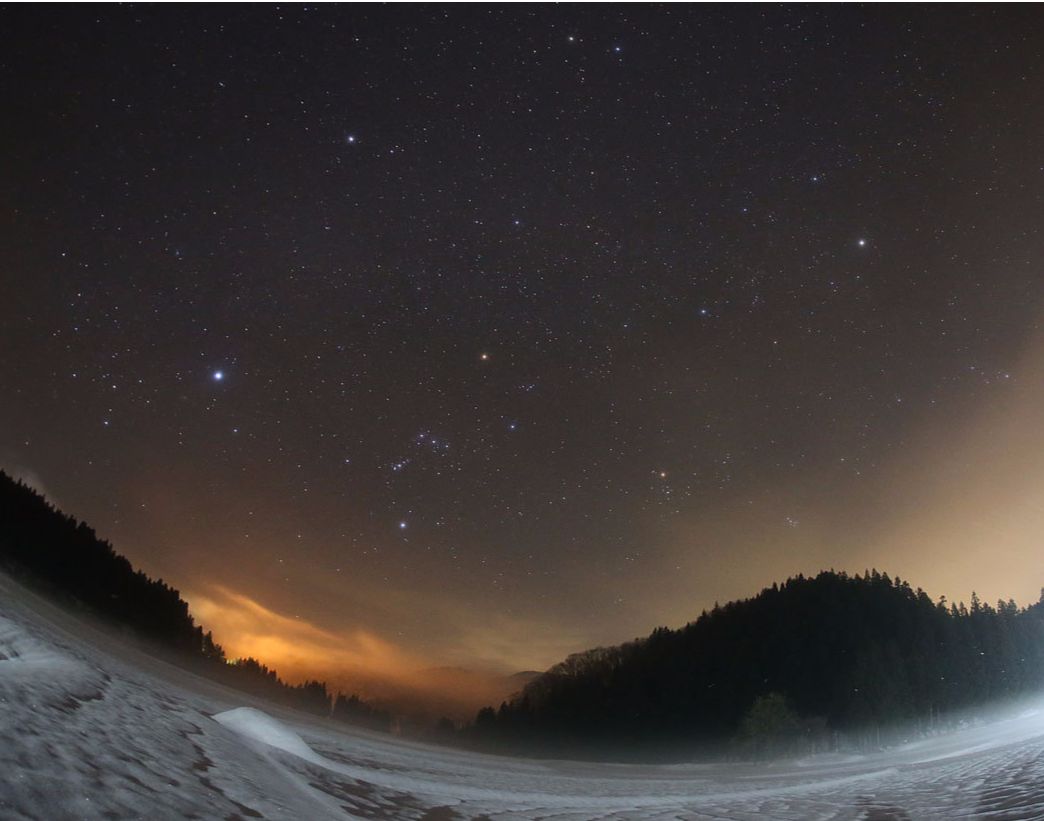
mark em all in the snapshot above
pixel 66 559
pixel 770 724
pixel 854 657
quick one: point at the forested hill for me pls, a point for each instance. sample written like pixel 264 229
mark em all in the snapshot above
pixel 65 558
pixel 813 658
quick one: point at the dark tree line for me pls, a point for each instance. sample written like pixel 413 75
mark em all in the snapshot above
pixel 813 660
pixel 66 559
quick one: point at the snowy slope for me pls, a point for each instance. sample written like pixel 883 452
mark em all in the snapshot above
pixel 90 728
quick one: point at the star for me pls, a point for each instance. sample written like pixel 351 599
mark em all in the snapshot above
pixel 348 290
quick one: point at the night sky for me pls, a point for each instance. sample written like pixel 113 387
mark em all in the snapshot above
pixel 408 335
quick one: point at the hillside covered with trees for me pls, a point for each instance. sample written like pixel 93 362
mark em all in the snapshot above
pixel 806 665
pixel 65 558
pixel 811 664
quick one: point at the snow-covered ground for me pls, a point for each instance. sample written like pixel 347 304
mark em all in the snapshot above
pixel 91 728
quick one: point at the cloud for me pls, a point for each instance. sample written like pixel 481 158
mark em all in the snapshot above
pixel 295 646
pixel 352 660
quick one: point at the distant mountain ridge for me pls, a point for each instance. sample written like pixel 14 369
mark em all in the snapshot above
pixel 452 693
pixel 811 657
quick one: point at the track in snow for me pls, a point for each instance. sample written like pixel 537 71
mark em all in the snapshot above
pixel 90 728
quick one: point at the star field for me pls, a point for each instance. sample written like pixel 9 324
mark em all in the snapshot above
pixel 506 332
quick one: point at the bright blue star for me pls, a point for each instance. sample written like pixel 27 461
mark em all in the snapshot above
pixel 218 376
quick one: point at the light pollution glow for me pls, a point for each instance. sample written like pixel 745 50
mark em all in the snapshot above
pixel 296 646
pixel 960 508
pixel 351 661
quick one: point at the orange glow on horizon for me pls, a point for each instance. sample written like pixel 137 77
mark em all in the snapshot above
pixel 353 660
pixel 294 646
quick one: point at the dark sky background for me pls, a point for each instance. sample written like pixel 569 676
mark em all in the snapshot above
pixel 415 335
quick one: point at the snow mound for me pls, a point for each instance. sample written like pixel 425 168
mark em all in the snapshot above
pixel 259 726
